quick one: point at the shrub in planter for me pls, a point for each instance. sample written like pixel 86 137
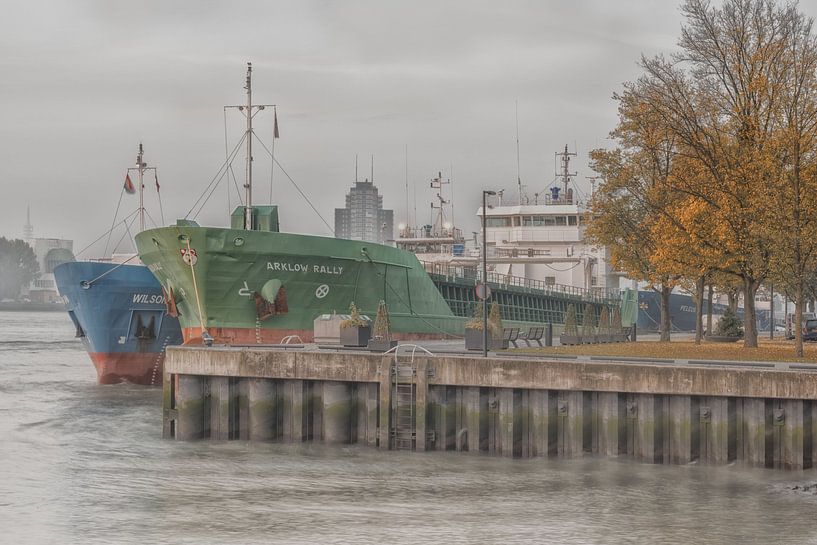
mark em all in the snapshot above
pixel 588 326
pixel 604 335
pixel 355 331
pixel 495 328
pixel 473 328
pixel 617 333
pixel 381 340
pixel 571 331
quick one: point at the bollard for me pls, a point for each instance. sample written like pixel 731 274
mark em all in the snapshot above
pixel 549 335
pixel 633 333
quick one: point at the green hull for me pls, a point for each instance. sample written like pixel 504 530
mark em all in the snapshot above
pixel 317 275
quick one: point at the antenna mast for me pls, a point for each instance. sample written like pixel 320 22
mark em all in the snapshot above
pixel 564 159
pixel 438 183
pixel 518 177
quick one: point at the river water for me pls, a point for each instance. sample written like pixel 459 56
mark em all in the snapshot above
pixel 84 463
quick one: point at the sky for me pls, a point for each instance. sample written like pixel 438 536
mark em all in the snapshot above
pixel 423 87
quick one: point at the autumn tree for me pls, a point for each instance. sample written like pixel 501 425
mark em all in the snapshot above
pixel 793 218
pixel 623 210
pixel 721 96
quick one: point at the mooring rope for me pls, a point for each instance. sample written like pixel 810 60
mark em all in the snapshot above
pixel 195 285
pixel 89 283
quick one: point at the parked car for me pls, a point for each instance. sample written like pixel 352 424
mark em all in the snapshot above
pixel 810 330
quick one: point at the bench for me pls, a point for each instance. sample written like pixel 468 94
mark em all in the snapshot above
pixel 534 334
pixel 510 335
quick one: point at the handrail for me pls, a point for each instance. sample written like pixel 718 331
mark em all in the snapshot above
pixel 503 280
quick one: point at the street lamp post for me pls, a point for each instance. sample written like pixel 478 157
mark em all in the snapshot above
pixel 485 194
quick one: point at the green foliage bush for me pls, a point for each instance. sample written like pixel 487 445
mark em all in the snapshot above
pixel 354 319
pixel 729 325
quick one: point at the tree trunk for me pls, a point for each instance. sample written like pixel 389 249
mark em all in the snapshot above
pixel 665 317
pixel 749 320
pixel 699 309
pixel 709 311
pixel 797 322
pixel 732 298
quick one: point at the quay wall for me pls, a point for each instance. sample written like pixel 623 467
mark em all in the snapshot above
pixel 502 406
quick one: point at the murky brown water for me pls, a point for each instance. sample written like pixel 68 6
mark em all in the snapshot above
pixel 83 463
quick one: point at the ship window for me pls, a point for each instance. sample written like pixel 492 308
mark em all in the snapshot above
pixel 561 220
pixel 571 220
pixel 550 220
pixel 550 280
pixel 538 221
pixel 498 222
pixel 517 221
pixel 527 221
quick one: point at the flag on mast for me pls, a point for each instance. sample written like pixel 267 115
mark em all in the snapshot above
pixel 275 128
pixel 129 188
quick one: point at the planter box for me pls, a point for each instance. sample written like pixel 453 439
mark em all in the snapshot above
pixel 498 344
pixel 355 336
pixel 592 339
pixel 381 345
pixel 570 339
pixel 619 338
pixel 721 339
pixel 604 338
pixel 473 341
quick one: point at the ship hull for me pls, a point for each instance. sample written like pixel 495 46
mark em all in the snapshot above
pixel 134 367
pixel 682 312
pixel 120 315
pixel 248 287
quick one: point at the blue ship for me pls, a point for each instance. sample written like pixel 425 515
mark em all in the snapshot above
pixel 682 312
pixel 120 314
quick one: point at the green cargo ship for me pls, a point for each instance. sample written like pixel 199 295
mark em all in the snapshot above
pixel 253 284
pixel 260 285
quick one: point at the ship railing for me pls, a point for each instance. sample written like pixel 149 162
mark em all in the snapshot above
pixel 601 295
pixel 428 231
pixel 519 252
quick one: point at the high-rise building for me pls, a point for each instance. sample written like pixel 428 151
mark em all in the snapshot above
pixel 364 217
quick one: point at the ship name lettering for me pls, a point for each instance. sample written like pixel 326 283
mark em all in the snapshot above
pixel 301 267
pixel 323 269
pixel 148 299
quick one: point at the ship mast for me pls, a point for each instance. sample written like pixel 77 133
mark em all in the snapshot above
pixel 248 180
pixel 564 158
pixel 140 168
pixel 249 109
pixel 140 165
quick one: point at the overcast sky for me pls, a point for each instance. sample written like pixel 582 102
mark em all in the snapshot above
pixel 83 82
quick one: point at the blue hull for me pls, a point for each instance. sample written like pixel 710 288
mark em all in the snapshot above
pixel 120 315
pixel 681 311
